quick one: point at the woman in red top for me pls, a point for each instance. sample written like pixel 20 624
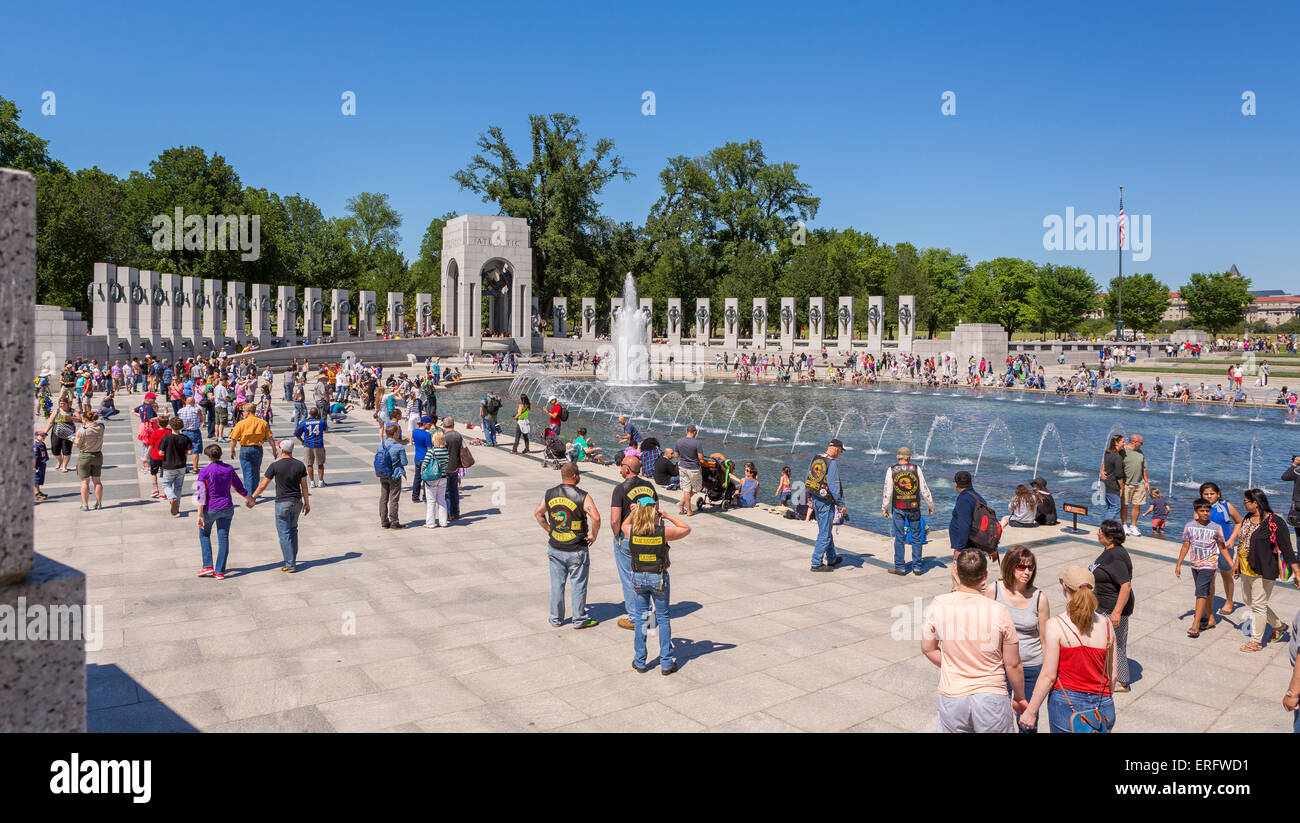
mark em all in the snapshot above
pixel 1078 658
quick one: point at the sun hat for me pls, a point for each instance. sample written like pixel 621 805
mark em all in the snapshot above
pixel 1076 577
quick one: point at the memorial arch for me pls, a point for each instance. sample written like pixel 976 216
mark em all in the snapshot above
pixel 487 273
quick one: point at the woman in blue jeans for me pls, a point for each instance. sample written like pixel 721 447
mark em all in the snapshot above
pixel 648 535
pixel 217 509
pixel 1079 661
pixel 1029 610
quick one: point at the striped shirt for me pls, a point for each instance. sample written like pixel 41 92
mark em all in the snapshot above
pixel 189 416
pixel 312 433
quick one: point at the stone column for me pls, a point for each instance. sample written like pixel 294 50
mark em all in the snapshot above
pixel 647 305
pixel 423 313
pixel 675 321
pixel 287 323
pixel 44 680
pixel 875 322
pixel 173 313
pixel 789 322
pixel 151 314
pixel 397 314
pixel 128 311
pixel 313 309
pixel 844 322
pixel 367 311
pixel 559 317
pixel 236 313
pixel 214 308
pixel 340 315
pixel 703 319
pixel 731 322
pixel 906 322
pixel 615 303
pixel 817 323
pixel 103 309
pixel 758 337
pixel 261 304
pixel 191 317
pixel 534 313
pixel 588 318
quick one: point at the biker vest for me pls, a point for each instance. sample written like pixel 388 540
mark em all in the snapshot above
pixel 906 493
pixel 565 510
pixel 650 551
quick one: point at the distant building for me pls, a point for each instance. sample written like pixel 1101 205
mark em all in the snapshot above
pixel 1273 306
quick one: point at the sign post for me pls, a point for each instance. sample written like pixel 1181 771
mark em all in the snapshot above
pixel 1074 509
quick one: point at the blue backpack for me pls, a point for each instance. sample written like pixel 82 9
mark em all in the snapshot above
pixel 383 464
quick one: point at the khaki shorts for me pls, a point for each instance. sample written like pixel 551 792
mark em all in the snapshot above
pixel 223 416
pixel 89 464
pixel 1134 495
pixel 316 457
pixel 692 481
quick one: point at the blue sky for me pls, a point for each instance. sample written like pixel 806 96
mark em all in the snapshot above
pixel 1057 105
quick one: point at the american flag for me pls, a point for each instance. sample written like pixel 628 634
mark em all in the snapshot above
pixel 1122 224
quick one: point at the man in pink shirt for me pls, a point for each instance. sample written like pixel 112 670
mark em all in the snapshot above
pixel 972 639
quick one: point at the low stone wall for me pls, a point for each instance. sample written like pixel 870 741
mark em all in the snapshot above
pixel 376 352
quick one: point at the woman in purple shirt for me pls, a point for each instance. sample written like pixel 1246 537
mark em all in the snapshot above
pixel 216 508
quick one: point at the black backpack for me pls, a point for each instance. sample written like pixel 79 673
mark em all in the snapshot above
pixel 985 530
pixel 564 414
pixel 491 405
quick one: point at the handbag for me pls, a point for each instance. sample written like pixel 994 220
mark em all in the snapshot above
pixel 1283 570
pixel 1089 721
pixel 466 459
pixel 524 426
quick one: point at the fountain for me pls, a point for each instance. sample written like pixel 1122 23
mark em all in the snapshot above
pixel 799 430
pixel 630 364
pixel 735 412
pixel 1065 463
pixel 1180 437
pixel 999 425
pixel 938 420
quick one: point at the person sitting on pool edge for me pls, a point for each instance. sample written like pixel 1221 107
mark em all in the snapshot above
pixel 583 450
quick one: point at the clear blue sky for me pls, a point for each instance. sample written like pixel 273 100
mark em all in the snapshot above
pixel 1057 105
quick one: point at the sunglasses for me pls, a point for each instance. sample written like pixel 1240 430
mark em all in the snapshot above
pixel 1024 568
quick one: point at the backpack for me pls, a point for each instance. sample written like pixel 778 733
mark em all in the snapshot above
pixel 383 463
pixel 564 414
pixel 985 530
pixel 432 469
pixel 492 405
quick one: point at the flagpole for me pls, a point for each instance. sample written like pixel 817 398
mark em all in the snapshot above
pixel 1119 320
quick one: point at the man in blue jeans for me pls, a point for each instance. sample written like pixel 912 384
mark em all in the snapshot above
pixel 826 495
pixel 291 500
pixel 905 490
pixel 569 517
pixel 454 442
pixel 627 494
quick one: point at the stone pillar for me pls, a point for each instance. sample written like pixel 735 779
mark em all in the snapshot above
pixel 128 311
pixel 817 323
pixel 789 322
pixel 151 314
pixel 875 322
pixel 844 322
pixel 423 314
pixel 396 314
pixel 44 680
pixel 534 314
pixel 559 317
pixel 313 309
pixel 588 318
pixel 906 322
pixel 340 315
pixel 287 323
pixel 236 313
pixel 261 304
pixel 758 335
pixel 731 322
pixel 675 320
pixel 214 308
pixel 615 303
pixel 191 317
pixel 173 314
pixel 367 312
pixel 103 308
pixel 703 319
pixel 647 305
pixel 469 317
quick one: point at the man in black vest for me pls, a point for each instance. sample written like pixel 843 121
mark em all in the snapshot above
pixel 627 494
pixel 905 489
pixel 569 516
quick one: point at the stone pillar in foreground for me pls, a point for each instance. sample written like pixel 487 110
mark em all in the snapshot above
pixel 588 318
pixel 675 319
pixel 286 303
pixel 261 304
pixel 875 322
pixel 44 681
pixel 397 315
pixel 731 322
pixel 758 335
pixel 559 317
pixel 703 321
pixel 816 323
pixel 423 314
pixel 340 316
pixel 906 322
pixel 367 311
pixel 845 319
pixel 787 322
pixel 313 308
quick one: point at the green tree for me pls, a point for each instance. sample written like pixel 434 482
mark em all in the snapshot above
pixel 1000 292
pixel 1216 301
pixel 372 225
pixel 555 191
pixel 1061 298
pixel 1145 301
pixel 943 271
pixel 20 148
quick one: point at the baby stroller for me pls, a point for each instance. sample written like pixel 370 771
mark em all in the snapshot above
pixel 554 455
pixel 719 483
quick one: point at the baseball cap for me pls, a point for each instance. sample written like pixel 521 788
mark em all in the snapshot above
pixel 286 445
pixel 836 443
pixel 426 420
pixel 151 396
pixel 904 451
pixel 1076 577
pixel 553 398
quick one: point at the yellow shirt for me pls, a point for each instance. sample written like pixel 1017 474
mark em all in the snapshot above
pixel 251 431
